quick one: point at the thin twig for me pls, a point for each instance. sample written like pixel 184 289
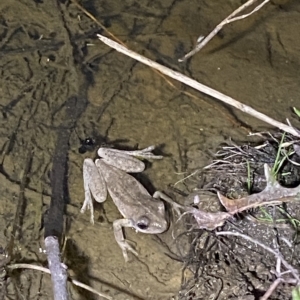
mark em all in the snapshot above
pixel 226 21
pixel 88 288
pixel 199 86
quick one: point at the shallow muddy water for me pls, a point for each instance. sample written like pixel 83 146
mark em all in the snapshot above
pixel 60 85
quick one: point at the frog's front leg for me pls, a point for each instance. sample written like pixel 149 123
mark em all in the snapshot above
pixel 119 236
pixel 94 184
pixel 175 206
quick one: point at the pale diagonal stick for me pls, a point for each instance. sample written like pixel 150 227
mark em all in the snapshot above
pixel 45 270
pixel 199 86
pixel 226 21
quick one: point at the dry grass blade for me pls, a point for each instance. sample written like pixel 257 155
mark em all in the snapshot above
pixel 198 86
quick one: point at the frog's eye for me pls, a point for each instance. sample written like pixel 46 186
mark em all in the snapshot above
pixel 143 223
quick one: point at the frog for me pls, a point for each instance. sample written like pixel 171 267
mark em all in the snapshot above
pixel 140 210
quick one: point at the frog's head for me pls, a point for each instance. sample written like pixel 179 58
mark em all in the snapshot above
pixel 151 221
pixel 146 225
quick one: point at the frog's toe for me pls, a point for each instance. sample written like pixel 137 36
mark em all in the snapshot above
pixel 126 247
pixel 87 205
pixel 177 208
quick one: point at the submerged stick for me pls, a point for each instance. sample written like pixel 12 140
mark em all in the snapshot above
pixel 58 270
pixel 54 220
pixel 226 21
pixel 199 86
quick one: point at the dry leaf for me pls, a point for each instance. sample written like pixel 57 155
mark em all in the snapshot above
pixel 273 194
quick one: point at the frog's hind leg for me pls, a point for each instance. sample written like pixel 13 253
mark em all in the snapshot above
pixel 125 160
pixel 121 160
pixel 94 184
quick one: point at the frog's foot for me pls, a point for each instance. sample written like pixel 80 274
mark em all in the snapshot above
pixel 145 153
pixel 119 236
pixel 177 207
pixel 124 245
pixel 88 204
